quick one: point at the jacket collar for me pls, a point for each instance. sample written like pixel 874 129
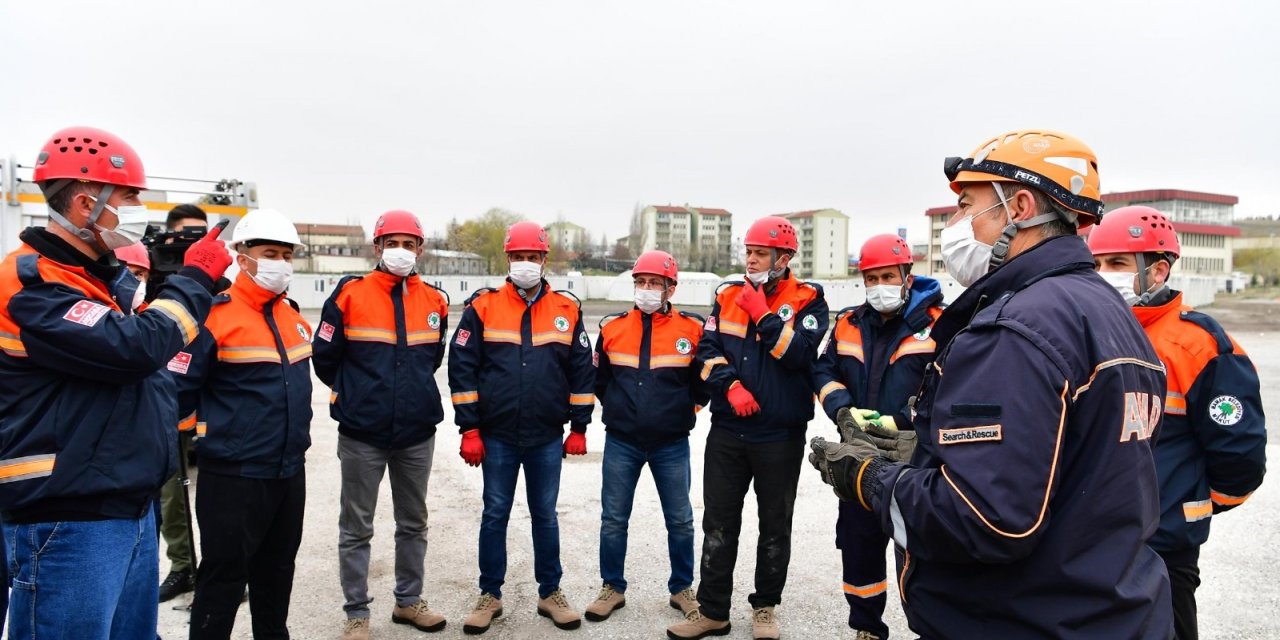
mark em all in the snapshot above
pixel 106 268
pixel 248 291
pixel 1148 316
pixel 388 281
pixel 516 293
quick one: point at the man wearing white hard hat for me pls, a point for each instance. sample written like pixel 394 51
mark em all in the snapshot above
pixel 249 374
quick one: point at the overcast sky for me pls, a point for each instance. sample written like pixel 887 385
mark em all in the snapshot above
pixel 584 108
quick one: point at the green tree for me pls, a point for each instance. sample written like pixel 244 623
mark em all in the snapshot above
pixel 484 236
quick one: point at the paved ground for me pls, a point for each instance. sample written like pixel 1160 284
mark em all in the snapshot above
pixel 1238 599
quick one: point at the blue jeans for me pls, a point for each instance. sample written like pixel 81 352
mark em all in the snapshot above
pixel 501 467
pixel 97 579
pixel 669 465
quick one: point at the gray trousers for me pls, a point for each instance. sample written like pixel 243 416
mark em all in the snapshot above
pixel 362 469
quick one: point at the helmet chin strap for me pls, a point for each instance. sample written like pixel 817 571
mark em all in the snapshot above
pixel 1144 281
pixel 1000 250
pixel 86 234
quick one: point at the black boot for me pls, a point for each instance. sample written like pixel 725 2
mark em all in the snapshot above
pixel 178 583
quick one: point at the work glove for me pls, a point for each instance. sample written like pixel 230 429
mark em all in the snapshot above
pixel 899 448
pixel 841 465
pixel 744 404
pixel 209 254
pixel 575 444
pixel 850 419
pixel 751 300
pixel 472 449
pixel 883 426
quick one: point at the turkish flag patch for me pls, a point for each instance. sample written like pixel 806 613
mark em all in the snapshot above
pixel 180 362
pixel 462 337
pixel 711 324
pixel 325 332
pixel 595 359
pixel 86 312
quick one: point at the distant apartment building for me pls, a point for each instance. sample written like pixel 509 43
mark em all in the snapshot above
pixel 333 248
pixel 700 238
pixel 823 236
pixel 440 262
pixel 1203 222
pixel 568 236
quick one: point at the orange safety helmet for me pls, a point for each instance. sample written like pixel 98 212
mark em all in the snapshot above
pixel 657 263
pixel 772 231
pixel 526 236
pixel 397 221
pixel 884 250
pixel 85 153
pixel 135 255
pixel 1134 229
pixel 1060 165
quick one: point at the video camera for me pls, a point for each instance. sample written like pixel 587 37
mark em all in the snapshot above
pixel 166 250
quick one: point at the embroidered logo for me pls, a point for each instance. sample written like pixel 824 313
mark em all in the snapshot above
pixel 433 320
pixel 809 322
pixel 562 324
pixel 922 334
pixel 710 324
pixel 785 312
pixel 985 433
pixel 302 331
pixel 683 346
pixel 461 337
pixel 1226 410
pixel 582 340
pixel 180 363
pixel 325 332
pixel 86 312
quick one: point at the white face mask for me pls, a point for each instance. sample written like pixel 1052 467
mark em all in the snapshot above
pixel 965 257
pixel 140 296
pixel 885 298
pixel 399 261
pixel 273 275
pixel 130 228
pixel 758 279
pixel 649 300
pixel 1122 281
pixel 525 275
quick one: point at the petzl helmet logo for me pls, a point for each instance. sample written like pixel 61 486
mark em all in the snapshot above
pixel 562 324
pixel 1026 177
pixel 1226 410
pixel 683 346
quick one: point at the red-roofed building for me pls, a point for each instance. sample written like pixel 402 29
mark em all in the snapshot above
pixel 700 238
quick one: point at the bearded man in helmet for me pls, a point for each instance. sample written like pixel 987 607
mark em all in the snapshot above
pixel 378 346
pixel 647 382
pixel 249 374
pixel 520 367
pixel 87 413
pixel 865 379
pixel 1212 451
pixel 1027 505
pixel 758 349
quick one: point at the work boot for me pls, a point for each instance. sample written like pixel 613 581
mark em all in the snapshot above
pixel 176 584
pixel 605 604
pixel 695 626
pixel 557 608
pixel 685 601
pixel 355 629
pixel 487 608
pixel 764 624
pixel 419 615
pixel 863 634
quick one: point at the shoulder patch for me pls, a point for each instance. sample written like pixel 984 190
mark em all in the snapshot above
pixel 86 312
pixel 1226 410
pixel 461 337
pixel 809 322
pixel 180 363
pixel 325 332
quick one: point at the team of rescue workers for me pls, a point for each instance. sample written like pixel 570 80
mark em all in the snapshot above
pixel 1045 453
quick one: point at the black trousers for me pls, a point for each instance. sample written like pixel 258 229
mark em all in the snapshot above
pixel 730 468
pixel 250 531
pixel 1184 577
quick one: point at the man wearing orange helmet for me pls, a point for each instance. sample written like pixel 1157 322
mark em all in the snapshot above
pixel 87 413
pixel 378 347
pixel 758 349
pixel 647 382
pixel 872 366
pixel 1211 454
pixel 520 367
pixel 1026 507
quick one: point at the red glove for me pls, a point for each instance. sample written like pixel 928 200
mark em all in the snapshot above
pixel 751 300
pixel 575 444
pixel 472 447
pixel 209 254
pixel 744 404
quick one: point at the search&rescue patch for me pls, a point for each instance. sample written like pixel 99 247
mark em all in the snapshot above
pixel 985 433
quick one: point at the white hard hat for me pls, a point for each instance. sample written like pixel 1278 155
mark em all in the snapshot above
pixel 266 224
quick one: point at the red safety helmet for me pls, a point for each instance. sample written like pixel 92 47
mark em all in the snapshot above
pixel 884 250
pixel 657 263
pixel 398 221
pixel 526 236
pixel 1135 229
pixel 773 232
pixel 85 153
pixel 135 255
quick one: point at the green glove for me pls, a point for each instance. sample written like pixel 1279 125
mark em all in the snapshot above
pixel 839 464
pixel 852 419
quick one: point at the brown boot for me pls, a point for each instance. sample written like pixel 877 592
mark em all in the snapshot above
pixel 556 607
pixel 355 629
pixel 605 604
pixel 685 601
pixel 695 626
pixel 764 624
pixel 478 621
pixel 419 615
pixel 866 635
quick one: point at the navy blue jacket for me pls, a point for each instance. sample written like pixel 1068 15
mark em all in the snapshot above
pixel 844 370
pixel 1026 510
pixel 378 346
pixel 88 415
